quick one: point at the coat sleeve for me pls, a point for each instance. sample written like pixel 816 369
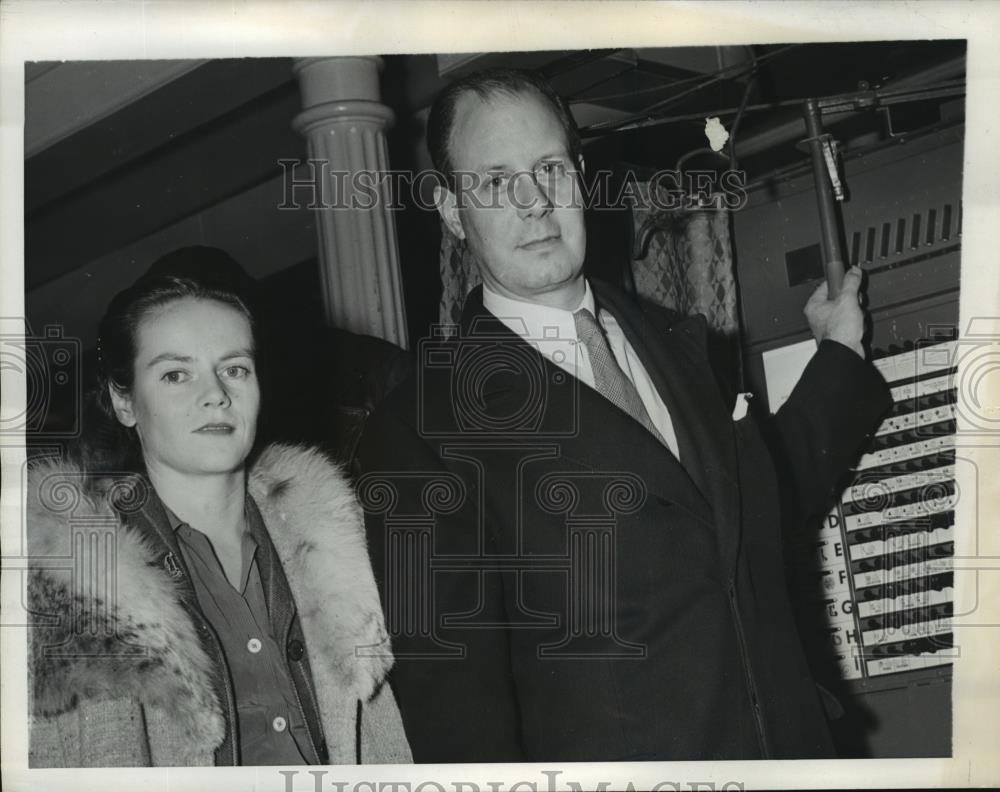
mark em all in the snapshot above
pixel 383 740
pixel 106 733
pixel 454 687
pixel 829 416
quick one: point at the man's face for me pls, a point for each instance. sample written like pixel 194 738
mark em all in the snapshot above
pixel 518 203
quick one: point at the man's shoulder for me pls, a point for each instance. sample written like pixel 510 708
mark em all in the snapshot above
pixel 650 324
pixel 619 301
pixel 399 404
pixel 396 433
pixel 464 372
pixel 400 412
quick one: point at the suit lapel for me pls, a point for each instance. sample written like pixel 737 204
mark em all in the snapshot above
pixel 675 356
pixel 620 442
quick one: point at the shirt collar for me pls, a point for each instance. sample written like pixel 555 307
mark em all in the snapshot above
pixel 248 544
pixel 175 521
pixel 537 322
pixel 251 517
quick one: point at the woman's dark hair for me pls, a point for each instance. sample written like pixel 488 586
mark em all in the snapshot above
pixel 106 446
pixel 486 84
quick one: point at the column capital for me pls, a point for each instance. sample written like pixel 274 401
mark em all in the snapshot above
pixel 338 79
pixel 352 110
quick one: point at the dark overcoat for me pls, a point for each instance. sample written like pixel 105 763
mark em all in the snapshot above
pixel 560 588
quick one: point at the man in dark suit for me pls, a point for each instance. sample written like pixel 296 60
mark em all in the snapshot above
pixel 576 539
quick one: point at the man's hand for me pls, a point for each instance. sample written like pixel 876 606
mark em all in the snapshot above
pixel 840 319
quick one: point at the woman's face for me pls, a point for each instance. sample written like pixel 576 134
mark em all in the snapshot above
pixel 195 398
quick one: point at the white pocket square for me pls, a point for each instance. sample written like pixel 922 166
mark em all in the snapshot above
pixel 742 402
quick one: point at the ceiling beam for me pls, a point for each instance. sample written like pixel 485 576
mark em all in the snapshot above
pixel 73 95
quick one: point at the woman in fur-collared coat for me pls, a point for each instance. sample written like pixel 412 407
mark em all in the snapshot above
pixel 191 609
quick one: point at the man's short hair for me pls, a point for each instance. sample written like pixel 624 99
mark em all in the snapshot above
pixel 486 84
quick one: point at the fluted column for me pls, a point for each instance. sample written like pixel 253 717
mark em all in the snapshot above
pixel 344 123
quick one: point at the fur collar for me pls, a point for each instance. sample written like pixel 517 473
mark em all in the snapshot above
pixel 139 640
pixel 317 528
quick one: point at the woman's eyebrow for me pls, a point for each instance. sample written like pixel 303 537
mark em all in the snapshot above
pixel 238 353
pixel 171 356
pixel 175 357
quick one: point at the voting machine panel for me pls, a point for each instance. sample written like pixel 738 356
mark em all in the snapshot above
pixel 874 583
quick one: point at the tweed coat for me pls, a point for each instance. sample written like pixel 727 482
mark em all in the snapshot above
pixel 590 596
pixel 122 669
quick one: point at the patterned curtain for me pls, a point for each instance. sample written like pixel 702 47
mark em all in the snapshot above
pixel 683 259
pixel 459 276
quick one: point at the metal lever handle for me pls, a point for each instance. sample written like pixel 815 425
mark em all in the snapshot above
pixel 833 262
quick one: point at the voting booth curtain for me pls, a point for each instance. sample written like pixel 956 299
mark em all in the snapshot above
pixel 459 276
pixel 683 259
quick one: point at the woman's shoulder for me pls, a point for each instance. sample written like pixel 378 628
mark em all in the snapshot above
pixel 317 529
pixel 282 469
pixel 301 485
pixel 65 481
pixel 58 493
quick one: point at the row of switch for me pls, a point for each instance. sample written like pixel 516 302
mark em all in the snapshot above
pixel 928 233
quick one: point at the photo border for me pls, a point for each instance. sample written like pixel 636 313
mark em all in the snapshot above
pixel 162 30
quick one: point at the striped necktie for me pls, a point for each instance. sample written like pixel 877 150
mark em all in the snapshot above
pixel 609 379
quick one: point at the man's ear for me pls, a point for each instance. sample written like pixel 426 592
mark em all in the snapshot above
pixel 582 164
pixel 447 206
pixel 122 404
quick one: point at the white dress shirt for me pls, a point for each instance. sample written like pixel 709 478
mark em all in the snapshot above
pixel 552 331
